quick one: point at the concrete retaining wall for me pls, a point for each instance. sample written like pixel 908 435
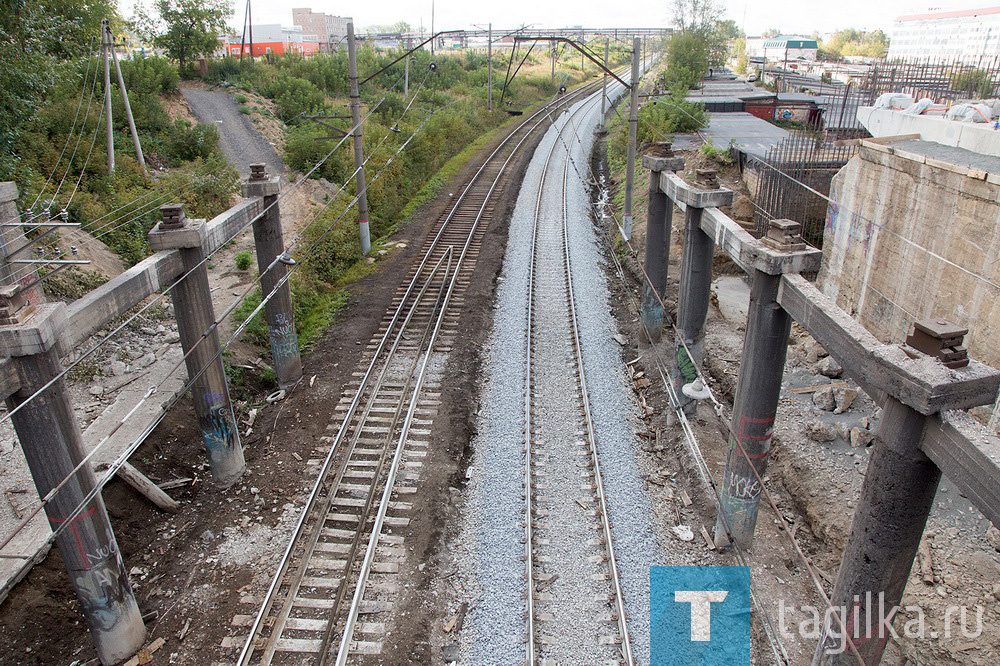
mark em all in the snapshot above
pixel 907 240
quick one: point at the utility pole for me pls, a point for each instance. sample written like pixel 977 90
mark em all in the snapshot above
pixel 359 161
pixel 406 78
pixel 633 122
pixel 604 90
pixel 105 47
pixel 243 37
pixel 433 39
pixel 250 28
pixel 553 53
pixel 128 107
pixel 489 67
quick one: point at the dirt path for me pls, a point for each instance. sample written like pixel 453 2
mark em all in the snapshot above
pixel 240 141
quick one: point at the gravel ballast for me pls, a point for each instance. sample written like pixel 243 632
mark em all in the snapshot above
pixel 494 516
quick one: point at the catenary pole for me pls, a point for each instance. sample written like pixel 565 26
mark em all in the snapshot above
pixel 633 121
pixel 489 68
pixel 359 160
pixel 105 47
pixel 128 107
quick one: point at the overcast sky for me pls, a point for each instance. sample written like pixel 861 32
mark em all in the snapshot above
pixel 755 16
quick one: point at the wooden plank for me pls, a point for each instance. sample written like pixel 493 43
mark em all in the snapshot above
pixel 223 227
pixel 89 314
pixel 923 384
pixel 969 455
pixel 85 316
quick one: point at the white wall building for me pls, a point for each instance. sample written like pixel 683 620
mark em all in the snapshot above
pixel 330 30
pixel 968 35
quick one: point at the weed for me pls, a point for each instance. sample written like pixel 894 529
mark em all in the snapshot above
pixel 243 260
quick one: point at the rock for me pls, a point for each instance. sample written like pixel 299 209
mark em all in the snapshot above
pixel 824 399
pixel 843 398
pixel 683 532
pixel 828 367
pixel 146 360
pixel 118 368
pixel 993 537
pixel 996 591
pixel 621 339
pixel 985 565
pixel 207 536
pixel 172 338
pixel 382 253
pixel 148 330
pixel 821 432
pixel 842 432
pixel 861 438
pixel 96 390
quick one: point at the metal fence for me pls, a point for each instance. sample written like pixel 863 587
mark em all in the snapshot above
pixel 940 80
pixel 793 181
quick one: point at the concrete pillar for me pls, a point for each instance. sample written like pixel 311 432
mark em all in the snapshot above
pixel 896 498
pixel 196 320
pixel 11 239
pixel 757 390
pixel 53 447
pixel 658 225
pixel 270 244
pixel 693 296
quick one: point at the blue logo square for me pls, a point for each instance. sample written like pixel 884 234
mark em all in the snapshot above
pixel 700 615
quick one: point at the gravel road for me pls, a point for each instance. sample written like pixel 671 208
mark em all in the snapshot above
pixel 240 141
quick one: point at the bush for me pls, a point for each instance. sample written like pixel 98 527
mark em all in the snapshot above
pixel 153 75
pixel 240 98
pixel 187 141
pixel 243 260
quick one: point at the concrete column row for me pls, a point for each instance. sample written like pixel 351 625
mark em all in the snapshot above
pixel 51 438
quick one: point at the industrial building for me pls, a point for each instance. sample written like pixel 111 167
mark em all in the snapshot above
pixel 272 38
pixel 969 35
pixel 330 30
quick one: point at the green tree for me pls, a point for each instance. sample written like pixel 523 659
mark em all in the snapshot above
pixel 696 16
pixel 186 28
pixel 687 60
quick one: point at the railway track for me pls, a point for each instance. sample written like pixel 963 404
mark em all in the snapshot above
pixel 338 576
pixel 575 603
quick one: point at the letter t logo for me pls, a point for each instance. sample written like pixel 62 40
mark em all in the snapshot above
pixel 701 610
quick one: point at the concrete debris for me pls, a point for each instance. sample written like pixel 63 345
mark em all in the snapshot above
pixel 96 390
pixel 843 398
pixel 828 367
pixel 683 532
pixel 146 360
pixel 993 537
pixel 821 432
pixel 621 339
pixel 118 368
pixel 824 399
pixel 861 438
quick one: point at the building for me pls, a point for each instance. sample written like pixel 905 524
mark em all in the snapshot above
pixel 272 38
pixel 330 30
pixel 967 35
pixel 781 48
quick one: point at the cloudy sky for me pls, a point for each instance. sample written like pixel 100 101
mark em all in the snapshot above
pixel 805 16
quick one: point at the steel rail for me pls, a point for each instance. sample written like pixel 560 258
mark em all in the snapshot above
pixel 539 116
pixel 531 649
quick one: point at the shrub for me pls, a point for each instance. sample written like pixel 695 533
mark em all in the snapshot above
pixel 187 141
pixel 243 260
pixel 240 98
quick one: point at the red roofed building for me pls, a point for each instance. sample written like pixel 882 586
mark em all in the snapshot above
pixel 970 35
pixel 272 38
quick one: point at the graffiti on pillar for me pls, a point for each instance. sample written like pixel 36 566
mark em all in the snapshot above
pixel 72 531
pixel 103 590
pixel 284 341
pixel 216 426
pixel 685 365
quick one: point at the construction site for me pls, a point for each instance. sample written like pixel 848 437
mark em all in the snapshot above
pixel 593 393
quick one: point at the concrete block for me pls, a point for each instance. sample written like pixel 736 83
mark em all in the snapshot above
pixel 39 332
pixel 662 163
pixel 677 189
pixel 8 192
pixel 261 188
pixel 191 235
